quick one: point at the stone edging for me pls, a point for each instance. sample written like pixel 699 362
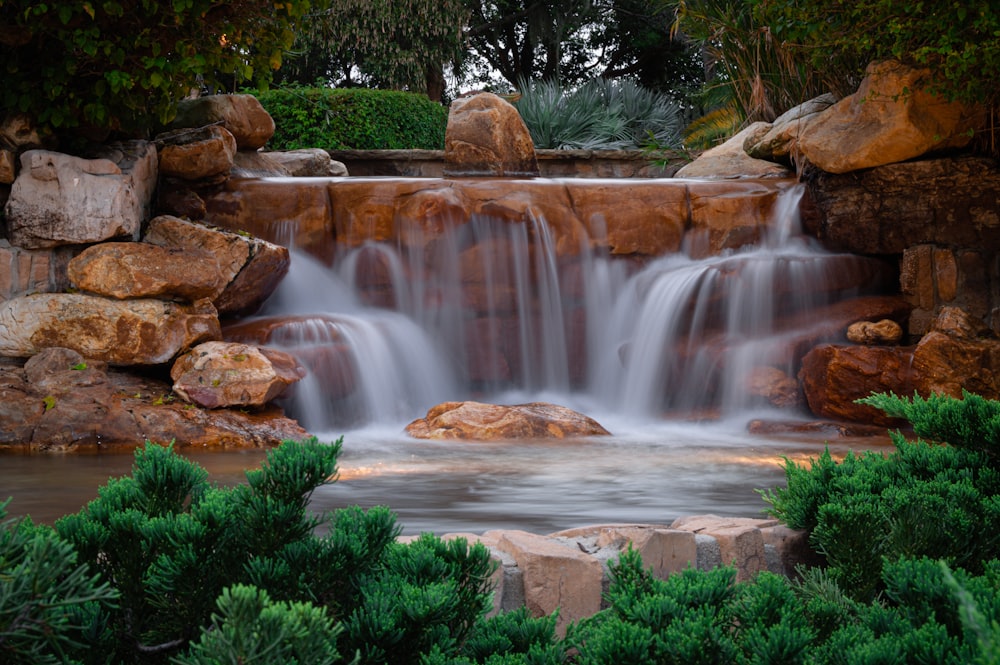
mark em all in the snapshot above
pixel 568 570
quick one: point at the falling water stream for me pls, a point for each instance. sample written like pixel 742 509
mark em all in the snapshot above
pixel 659 354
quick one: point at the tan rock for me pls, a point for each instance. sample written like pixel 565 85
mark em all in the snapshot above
pixel 203 154
pixel 740 540
pixel 251 268
pixel 121 332
pixel 486 136
pixel 731 160
pixel 556 576
pixel 241 115
pixel 891 118
pixel 59 199
pixel 308 163
pixel 885 331
pixel 141 270
pixel 778 144
pixel 492 422
pixel 224 374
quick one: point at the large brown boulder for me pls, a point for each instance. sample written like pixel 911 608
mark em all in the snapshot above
pixel 779 143
pixel 121 332
pixel 949 202
pixel 251 268
pixel 891 118
pixel 493 422
pixel 241 115
pixel 59 199
pixel 140 270
pixel 59 400
pixel 224 374
pixel 202 154
pixel 486 136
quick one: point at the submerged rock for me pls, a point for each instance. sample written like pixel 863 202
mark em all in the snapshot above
pixel 493 422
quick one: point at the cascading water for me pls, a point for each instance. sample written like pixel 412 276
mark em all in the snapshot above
pixel 486 311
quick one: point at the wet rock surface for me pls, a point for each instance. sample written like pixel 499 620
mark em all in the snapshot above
pixel 492 422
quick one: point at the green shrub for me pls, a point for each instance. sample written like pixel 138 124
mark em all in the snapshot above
pixel 49 601
pixel 923 499
pixel 209 574
pixel 353 119
pixel 599 115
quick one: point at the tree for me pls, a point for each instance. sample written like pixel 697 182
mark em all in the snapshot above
pixel 121 65
pixel 399 44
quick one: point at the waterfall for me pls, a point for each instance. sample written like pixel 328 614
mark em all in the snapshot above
pixel 485 310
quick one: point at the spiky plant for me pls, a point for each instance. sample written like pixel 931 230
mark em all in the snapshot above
pixel 599 115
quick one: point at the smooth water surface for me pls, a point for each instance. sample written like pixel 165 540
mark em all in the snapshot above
pixel 650 476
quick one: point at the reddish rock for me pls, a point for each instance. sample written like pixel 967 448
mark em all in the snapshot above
pixel 947 364
pixel 203 154
pixel 729 215
pixel 140 270
pixel 491 422
pixel 775 386
pixel 224 374
pixel 121 332
pixel 834 376
pixel 486 136
pixel 250 267
pixel 243 116
pixel 60 400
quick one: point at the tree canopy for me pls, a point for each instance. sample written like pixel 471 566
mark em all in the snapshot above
pixel 122 65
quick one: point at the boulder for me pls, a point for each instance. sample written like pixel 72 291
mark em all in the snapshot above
pixel 241 115
pixel 730 160
pixel 775 386
pixel 486 136
pixel 308 163
pixel 492 422
pixel 948 202
pixel 779 143
pixel 871 333
pixel 250 267
pixel 204 154
pixel 890 118
pixel 60 400
pixel 833 376
pixel 140 270
pixel 120 332
pixel 59 199
pixel 223 374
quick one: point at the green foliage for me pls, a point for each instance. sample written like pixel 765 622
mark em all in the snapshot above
pixel 956 38
pixel 392 44
pixel 972 422
pixel 48 600
pixel 923 499
pixel 353 119
pixel 250 628
pixel 599 115
pixel 115 66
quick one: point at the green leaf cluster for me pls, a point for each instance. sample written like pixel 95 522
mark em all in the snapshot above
pixel 922 499
pixel 353 119
pixel 99 67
